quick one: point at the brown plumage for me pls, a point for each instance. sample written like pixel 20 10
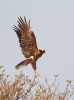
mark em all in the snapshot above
pixel 28 44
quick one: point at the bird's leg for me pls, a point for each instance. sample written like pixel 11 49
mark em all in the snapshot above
pixel 36 74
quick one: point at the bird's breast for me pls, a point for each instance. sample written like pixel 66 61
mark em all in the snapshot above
pixel 37 55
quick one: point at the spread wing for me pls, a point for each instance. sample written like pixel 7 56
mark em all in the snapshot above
pixel 26 38
pixel 17 32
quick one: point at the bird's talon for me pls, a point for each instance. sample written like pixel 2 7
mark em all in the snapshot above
pixel 36 74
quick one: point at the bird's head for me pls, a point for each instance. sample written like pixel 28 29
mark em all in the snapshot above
pixel 42 51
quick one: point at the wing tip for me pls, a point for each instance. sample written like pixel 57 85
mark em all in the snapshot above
pixel 23 21
pixel 15 28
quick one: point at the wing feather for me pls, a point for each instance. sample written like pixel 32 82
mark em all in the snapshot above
pixel 17 32
pixel 26 37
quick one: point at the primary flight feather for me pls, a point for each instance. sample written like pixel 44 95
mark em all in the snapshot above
pixel 28 44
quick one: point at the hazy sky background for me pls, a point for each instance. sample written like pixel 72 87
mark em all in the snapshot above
pixel 53 24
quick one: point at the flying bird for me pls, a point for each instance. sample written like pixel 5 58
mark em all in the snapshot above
pixel 28 45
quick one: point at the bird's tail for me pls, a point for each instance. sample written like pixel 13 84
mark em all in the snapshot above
pixel 25 62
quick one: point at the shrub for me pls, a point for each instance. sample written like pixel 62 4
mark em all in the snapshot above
pixel 24 88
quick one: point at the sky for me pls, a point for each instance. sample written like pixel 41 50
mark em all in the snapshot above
pixel 53 24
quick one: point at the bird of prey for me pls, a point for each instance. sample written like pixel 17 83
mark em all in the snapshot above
pixel 28 44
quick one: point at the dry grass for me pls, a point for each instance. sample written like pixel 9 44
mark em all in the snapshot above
pixel 23 89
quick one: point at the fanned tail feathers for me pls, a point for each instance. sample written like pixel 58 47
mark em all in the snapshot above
pixel 23 63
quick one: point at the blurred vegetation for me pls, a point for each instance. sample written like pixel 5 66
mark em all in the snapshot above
pixel 24 88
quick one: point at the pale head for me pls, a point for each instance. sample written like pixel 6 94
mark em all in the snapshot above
pixel 42 51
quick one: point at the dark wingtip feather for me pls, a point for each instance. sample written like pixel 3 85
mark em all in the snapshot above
pixel 25 19
pixel 29 23
pixel 15 28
